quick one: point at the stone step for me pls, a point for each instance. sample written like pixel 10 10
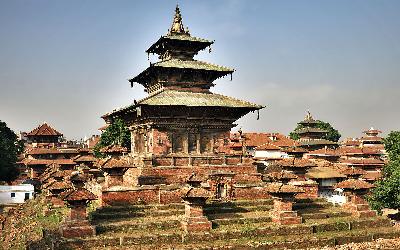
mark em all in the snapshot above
pixel 134 226
pixel 130 208
pixel 308 205
pixel 235 209
pixel 242 202
pixel 322 215
pixel 242 220
pixel 252 231
pixel 291 241
pixel 117 216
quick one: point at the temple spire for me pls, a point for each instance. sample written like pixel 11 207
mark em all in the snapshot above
pixel 177 25
pixel 308 116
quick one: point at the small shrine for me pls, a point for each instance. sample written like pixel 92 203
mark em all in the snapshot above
pixel 195 198
pixel 55 188
pixel 283 194
pixel 77 224
pixel 355 191
pixel 115 169
pixel 221 184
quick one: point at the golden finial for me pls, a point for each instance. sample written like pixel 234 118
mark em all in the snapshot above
pixel 177 25
pixel 308 116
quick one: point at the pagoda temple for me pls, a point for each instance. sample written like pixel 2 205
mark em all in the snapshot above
pixel 181 123
pixel 44 136
pixel 312 137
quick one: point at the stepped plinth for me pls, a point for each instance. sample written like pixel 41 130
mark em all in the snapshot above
pixel 355 191
pixel 195 199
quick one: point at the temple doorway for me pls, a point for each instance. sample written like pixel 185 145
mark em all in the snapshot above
pixel 222 191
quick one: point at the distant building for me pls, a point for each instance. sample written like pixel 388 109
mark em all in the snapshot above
pixel 312 137
pixel 16 194
pixel 44 136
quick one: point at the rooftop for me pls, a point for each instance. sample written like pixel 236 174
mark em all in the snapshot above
pixel 190 99
pixel 354 184
pixel 79 194
pixel 324 173
pixel 44 130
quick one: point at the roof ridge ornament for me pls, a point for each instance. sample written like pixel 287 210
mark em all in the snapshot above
pixel 177 25
pixel 309 116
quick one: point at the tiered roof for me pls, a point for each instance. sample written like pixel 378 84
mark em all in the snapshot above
pixel 44 130
pixel 372 132
pixel 310 135
pixel 178 79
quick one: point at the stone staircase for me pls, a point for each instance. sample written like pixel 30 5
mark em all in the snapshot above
pixel 236 224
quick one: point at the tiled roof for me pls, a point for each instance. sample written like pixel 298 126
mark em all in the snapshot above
pixel 48 162
pixel 255 139
pixel 199 42
pixel 324 152
pixel 79 194
pixel 323 173
pixel 354 184
pixel 62 173
pixel 85 158
pixel 359 151
pixel 116 163
pixel 372 131
pixel 268 146
pixel 114 149
pixel 167 97
pixel 281 175
pixel 295 163
pixel 58 185
pixel 283 188
pixel 351 142
pixel 277 140
pixel 311 142
pixel 372 176
pixel 352 171
pixel 44 130
pixel 42 151
pixel 371 138
pixel 295 150
pixel 191 64
pixel 310 130
pixel 362 161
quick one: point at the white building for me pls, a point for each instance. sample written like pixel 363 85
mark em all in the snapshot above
pixel 16 194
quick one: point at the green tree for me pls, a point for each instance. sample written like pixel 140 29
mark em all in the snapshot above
pixel 392 145
pixel 386 194
pixel 332 135
pixel 115 134
pixel 10 147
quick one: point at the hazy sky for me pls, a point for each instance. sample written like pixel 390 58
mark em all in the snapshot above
pixel 67 62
